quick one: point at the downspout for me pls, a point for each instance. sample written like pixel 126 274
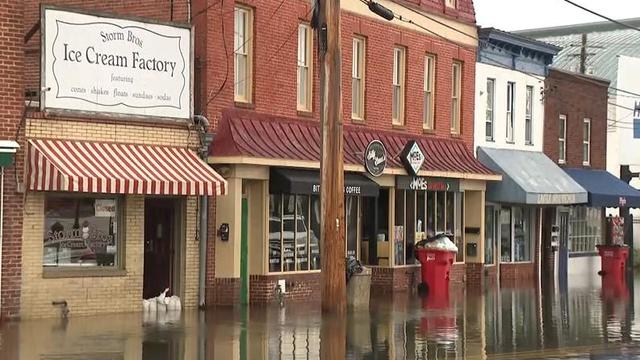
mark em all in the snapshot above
pixel 1 226
pixel 205 139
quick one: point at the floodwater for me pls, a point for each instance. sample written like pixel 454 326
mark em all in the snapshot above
pixel 584 321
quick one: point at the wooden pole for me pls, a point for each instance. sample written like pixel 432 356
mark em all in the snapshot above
pixel 334 292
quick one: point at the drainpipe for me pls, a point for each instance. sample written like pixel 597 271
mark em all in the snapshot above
pixel 206 138
pixel 1 225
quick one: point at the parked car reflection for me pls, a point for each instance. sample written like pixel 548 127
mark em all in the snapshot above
pixel 286 234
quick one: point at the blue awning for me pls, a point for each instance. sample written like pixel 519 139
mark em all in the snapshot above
pixel 605 190
pixel 529 177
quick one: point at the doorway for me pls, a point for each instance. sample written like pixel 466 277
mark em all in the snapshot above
pixel 162 235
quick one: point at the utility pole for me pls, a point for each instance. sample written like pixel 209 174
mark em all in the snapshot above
pixel 333 281
pixel 583 54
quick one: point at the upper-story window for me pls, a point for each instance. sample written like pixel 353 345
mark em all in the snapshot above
pixel 429 82
pixel 397 112
pixel 357 78
pixel 243 44
pixel 304 67
pixel 562 139
pixel 586 142
pixel 528 119
pixel 489 119
pixel 510 110
pixel 451 3
pixel 456 84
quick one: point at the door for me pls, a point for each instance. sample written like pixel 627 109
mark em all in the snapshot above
pixel 563 249
pixel 490 235
pixel 159 246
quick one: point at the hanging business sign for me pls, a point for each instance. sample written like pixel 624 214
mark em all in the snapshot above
pixel 115 66
pixel 375 158
pixel 420 183
pixel 412 157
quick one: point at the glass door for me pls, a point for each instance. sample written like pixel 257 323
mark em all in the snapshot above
pixel 489 235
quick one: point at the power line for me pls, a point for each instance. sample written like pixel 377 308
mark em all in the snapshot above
pixel 602 16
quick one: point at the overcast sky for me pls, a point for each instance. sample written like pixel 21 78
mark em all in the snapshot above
pixel 527 14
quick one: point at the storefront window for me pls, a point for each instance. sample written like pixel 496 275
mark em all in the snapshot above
pixel 81 231
pixel 440 212
pixel 398 234
pixel 505 235
pixel 351 217
pixel 294 226
pixel 457 230
pixel 489 233
pixel 431 213
pixel 585 229
pixel 411 227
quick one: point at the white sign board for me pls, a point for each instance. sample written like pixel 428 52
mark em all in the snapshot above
pixel 626 114
pixel 115 66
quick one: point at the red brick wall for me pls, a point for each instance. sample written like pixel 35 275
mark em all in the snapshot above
pixel 576 98
pixel 387 280
pixel 517 271
pixel 274 85
pixel 300 287
pixel 224 292
pixel 12 100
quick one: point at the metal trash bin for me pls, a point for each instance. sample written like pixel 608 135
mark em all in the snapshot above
pixel 358 283
pixel 359 288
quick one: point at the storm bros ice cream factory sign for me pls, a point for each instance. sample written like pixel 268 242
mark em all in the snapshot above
pixel 107 65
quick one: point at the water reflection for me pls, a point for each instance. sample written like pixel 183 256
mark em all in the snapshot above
pixel 585 321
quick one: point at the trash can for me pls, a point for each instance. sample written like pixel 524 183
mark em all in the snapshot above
pixel 358 283
pixel 613 261
pixel 436 255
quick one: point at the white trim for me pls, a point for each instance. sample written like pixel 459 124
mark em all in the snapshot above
pixel 563 139
pixel 587 142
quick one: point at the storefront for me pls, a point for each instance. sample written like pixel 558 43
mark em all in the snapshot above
pixel 112 179
pixel 274 181
pixel 514 221
pixel 587 224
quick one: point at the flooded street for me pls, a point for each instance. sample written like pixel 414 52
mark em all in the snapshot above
pixel 583 322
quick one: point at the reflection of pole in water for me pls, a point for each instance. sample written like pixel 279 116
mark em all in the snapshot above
pixel 333 337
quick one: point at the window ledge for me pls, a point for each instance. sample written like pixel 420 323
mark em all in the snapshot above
pixel 58 273
pixel 510 142
pixel 244 105
pixel 529 144
pixel 358 121
pixel 305 113
pixel 456 135
pixel 428 131
pixel 398 127
pixel 490 140
pixel 583 254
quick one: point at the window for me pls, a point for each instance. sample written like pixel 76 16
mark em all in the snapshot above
pixel 429 76
pixel 398 85
pixel 516 234
pixel 562 139
pixel 528 119
pixel 357 79
pixel 510 101
pixel 422 214
pixel 456 83
pixel 586 142
pixel 81 232
pixel 243 44
pixel 488 126
pixel 304 67
pixel 294 226
pixel 451 3
pixel 585 229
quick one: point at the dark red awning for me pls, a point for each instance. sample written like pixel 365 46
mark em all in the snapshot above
pixel 252 135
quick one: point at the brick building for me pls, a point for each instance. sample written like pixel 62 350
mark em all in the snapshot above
pixel 575 138
pixel 400 84
pixel 103 208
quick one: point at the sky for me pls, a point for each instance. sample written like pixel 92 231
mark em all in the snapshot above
pixel 528 14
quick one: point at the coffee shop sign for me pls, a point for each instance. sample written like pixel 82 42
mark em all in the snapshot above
pixel 114 66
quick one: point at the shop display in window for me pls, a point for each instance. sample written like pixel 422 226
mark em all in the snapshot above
pixel 80 232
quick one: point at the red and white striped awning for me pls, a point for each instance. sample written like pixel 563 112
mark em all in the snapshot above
pixel 113 168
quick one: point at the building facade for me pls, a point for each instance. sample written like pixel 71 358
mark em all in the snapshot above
pixel 404 91
pixel 509 133
pixel 110 192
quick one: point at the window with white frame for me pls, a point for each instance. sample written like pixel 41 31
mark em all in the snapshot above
pixel 510 110
pixel 243 44
pixel 456 84
pixel 562 139
pixel 488 126
pixel 398 85
pixel 357 78
pixel 429 78
pixel 586 142
pixel 304 67
pixel 451 3
pixel 585 229
pixel 528 119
